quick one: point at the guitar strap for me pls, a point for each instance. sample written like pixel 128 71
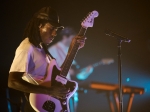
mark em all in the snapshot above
pixel 46 51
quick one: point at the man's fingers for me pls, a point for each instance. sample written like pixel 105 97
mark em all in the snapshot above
pixel 61 92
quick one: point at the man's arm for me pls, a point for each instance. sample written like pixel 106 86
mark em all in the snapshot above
pixel 15 81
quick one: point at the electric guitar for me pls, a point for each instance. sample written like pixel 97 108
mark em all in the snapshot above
pixel 83 73
pixel 56 76
pixel 104 61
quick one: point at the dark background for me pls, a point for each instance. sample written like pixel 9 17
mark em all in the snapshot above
pixel 128 18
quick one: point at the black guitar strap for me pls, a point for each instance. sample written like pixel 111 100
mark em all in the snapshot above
pixel 46 51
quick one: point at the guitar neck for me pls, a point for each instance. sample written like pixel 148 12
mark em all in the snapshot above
pixel 73 49
pixel 93 65
pixel 97 64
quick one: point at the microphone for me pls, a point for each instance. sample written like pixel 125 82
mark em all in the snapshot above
pixel 119 37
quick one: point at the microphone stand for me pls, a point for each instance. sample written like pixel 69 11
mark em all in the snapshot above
pixel 120 40
pixel 120 77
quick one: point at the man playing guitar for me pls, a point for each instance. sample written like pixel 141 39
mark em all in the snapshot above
pixel 31 60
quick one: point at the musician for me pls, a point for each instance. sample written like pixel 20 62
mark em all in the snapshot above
pixel 31 60
pixel 59 51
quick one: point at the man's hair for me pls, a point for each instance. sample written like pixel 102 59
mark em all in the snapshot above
pixel 32 30
pixel 41 17
pixel 67 31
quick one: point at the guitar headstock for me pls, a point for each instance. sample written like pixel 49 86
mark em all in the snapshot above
pixel 107 61
pixel 89 20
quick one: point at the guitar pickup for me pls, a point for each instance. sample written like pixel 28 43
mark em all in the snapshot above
pixel 61 79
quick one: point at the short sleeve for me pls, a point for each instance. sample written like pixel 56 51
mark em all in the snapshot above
pixel 20 62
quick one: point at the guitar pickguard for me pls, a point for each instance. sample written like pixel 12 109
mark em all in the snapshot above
pixel 69 85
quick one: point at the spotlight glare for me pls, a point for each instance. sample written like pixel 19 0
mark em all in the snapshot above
pixel 128 79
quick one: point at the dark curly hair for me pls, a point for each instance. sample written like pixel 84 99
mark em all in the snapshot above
pixel 43 16
pixel 32 30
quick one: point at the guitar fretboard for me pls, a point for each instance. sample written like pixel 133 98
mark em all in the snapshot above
pixel 73 49
pixel 97 64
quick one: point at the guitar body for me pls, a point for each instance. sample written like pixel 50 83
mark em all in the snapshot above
pixel 47 103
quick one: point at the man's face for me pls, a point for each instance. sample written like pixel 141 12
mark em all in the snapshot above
pixel 67 40
pixel 47 33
